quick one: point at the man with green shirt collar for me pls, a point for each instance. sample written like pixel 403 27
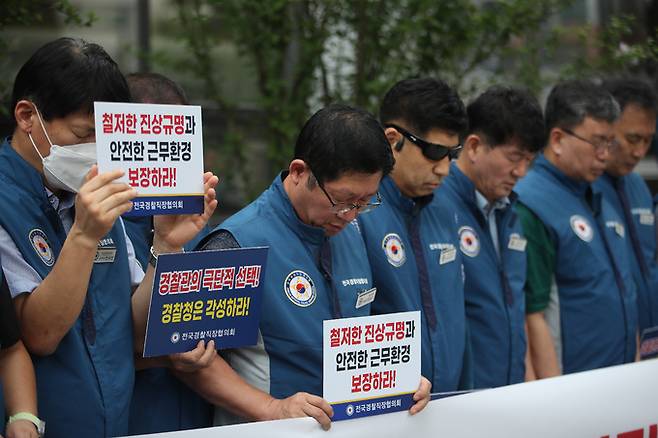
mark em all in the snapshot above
pixel 580 294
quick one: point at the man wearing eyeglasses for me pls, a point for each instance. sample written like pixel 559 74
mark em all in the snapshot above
pixel 317 265
pixel 506 129
pixel 412 247
pixel 581 299
pixel 628 193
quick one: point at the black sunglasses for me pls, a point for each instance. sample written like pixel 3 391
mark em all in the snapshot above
pixel 433 151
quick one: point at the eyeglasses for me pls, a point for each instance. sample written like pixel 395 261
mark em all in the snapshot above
pixel 342 208
pixel 599 146
pixel 433 151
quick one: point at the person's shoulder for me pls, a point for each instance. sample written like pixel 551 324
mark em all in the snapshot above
pixel 218 239
pixel 637 181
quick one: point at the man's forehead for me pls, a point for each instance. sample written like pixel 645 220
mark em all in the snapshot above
pixel 354 183
pixel 636 115
pixel 514 147
pixel 598 127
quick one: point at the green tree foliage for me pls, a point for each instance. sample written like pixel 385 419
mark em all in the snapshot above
pixel 606 51
pixel 306 53
pixel 29 13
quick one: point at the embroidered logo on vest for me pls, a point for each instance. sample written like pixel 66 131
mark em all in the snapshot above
pixel 581 227
pixel 300 289
pixel 394 250
pixel 40 244
pixel 469 242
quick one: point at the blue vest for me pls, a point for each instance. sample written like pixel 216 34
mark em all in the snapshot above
pixel 3 420
pixel 297 295
pixel 598 314
pixel 84 387
pixel 386 232
pixel 493 290
pixel 642 215
pixel 161 402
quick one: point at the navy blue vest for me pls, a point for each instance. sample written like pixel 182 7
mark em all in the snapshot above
pixel 598 314
pixel 3 420
pixel 298 295
pixel 84 387
pixel 386 231
pixel 641 205
pixel 495 302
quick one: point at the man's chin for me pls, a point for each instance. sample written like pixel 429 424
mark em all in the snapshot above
pixel 332 230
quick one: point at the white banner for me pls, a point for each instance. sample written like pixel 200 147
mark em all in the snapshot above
pixel 612 402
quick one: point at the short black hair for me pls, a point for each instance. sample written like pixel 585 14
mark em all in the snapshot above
pixel 635 91
pixel 66 76
pixel 339 139
pixel 423 104
pixel 155 88
pixel 570 102
pixel 504 114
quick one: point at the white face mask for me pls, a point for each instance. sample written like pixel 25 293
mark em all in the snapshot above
pixel 65 167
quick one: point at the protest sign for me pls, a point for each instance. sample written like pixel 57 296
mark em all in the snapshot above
pixel 205 295
pixel 160 148
pixel 371 364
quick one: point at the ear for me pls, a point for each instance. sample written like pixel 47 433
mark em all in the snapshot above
pixel 555 138
pixel 25 115
pixel 472 147
pixel 393 136
pixel 298 171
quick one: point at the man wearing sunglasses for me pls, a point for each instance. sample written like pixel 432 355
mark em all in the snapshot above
pixel 628 193
pixel 317 266
pixel 581 299
pixel 506 129
pixel 411 246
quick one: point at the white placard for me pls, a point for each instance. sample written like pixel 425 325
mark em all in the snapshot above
pixel 160 148
pixel 371 364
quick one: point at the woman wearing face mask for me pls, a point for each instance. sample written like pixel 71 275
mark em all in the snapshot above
pixel 78 317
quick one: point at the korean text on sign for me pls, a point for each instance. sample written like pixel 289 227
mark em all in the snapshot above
pixel 371 358
pixel 160 149
pixel 205 295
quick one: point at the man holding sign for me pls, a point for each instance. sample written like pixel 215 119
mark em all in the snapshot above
pixel 317 267
pixel 69 265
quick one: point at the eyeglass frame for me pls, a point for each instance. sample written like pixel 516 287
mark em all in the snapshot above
pixel 598 148
pixel 360 208
pixel 452 152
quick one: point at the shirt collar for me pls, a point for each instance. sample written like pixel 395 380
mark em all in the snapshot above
pixel 580 188
pixel 62 202
pixel 391 193
pixel 486 207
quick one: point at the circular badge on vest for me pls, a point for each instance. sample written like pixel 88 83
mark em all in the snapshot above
pixel 300 288
pixel 581 227
pixel 40 244
pixel 394 250
pixel 469 242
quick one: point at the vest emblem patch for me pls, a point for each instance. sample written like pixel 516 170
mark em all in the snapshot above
pixel 40 244
pixel 300 289
pixel 394 250
pixel 469 242
pixel 581 227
